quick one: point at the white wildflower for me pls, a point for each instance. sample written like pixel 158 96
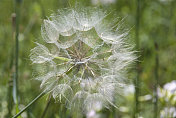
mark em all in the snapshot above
pixel 168 112
pixel 171 86
pixel 88 67
pixel 167 96
pixel 168 92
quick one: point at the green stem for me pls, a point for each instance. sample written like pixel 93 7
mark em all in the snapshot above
pixel 156 82
pixel 32 102
pixel 137 81
pixel 46 107
pixel 15 79
pixel 10 81
pixel 9 98
pixel 17 43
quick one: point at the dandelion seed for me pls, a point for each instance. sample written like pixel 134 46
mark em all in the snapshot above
pixel 88 67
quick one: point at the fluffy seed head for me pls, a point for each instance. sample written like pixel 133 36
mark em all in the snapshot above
pixel 85 61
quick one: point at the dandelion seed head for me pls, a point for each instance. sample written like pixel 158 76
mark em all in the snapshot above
pixel 89 65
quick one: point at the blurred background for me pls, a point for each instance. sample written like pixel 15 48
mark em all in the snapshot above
pixel 152 25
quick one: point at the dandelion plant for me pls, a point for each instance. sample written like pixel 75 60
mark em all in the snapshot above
pixel 84 60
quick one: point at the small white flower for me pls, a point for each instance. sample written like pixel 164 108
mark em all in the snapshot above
pixel 168 112
pixel 88 66
pixel 168 92
pixel 171 87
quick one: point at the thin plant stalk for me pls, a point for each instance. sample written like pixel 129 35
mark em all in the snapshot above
pixel 15 80
pixel 46 107
pixel 32 102
pixel 9 95
pixel 9 98
pixel 11 73
pixel 137 81
pixel 156 82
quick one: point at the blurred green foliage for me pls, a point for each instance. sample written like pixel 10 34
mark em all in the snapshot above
pixel 157 24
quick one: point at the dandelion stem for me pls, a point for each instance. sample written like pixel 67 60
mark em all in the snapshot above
pixel 46 107
pixel 32 102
